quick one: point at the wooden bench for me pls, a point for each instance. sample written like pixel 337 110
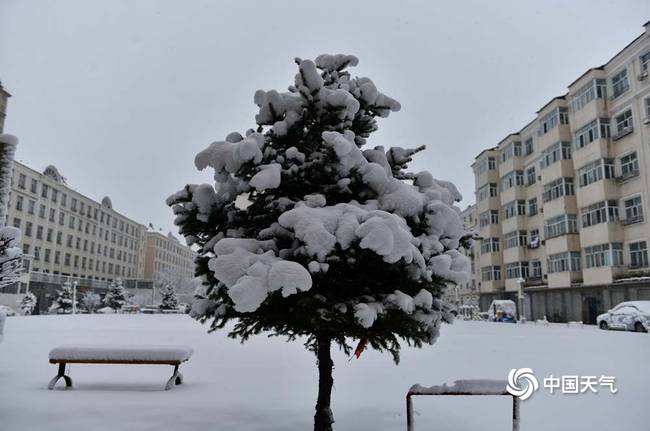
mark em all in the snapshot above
pixel 107 354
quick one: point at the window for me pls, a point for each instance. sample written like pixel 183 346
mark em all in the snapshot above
pixel 515 239
pixel 28 228
pixel 66 262
pixel 554 153
pixel 490 245
pixel 588 133
pixel 531 178
pixel 511 150
pixel 55 195
pixel 39 232
pixel 532 207
pixel 601 212
pixel 551 120
pixel 639 254
pixel 59 237
pixel 57 257
pixel 511 179
pixel 596 171
pixel 44 190
pixel 561 225
pixel 644 62
pixel 21 181
pixel 34 186
pixel 528 146
pixel 563 262
pixel 46 257
pixel 517 270
pixel 19 203
pixel 48 237
pixel 633 210
pixel 491 273
pixel 604 255
pixel 52 215
pixel 558 188
pixel 514 208
pixel 487 191
pixel 535 269
pixel 61 218
pixel 73 204
pixel 41 211
pixel 629 165
pixel 17 222
pixel 647 108
pixel 624 124
pixel 597 88
pixel 620 83
pixel 64 199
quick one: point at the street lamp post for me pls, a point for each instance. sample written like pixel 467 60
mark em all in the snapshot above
pixel 74 297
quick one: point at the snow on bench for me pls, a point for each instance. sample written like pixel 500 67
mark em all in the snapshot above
pixel 119 354
pixel 462 387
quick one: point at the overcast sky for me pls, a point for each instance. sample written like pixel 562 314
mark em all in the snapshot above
pixel 120 95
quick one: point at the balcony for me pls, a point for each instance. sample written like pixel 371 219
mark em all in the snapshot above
pixel 632 220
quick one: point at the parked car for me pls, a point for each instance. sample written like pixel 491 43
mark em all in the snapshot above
pixel 502 310
pixel 8 311
pixel 627 316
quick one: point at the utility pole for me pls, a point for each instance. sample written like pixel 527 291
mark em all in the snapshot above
pixel 520 299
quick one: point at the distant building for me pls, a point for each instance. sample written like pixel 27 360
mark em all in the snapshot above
pixel 561 203
pixel 165 254
pixel 466 293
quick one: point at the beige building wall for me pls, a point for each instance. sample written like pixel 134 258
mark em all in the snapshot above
pixel 69 234
pixel 165 254
pixel 570 207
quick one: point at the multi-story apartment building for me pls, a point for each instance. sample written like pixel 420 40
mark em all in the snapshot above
pixel 166 255
pixel 4 96
pixel 561 203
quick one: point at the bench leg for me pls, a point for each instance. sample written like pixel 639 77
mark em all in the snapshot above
pixel 176 378
pixel 61 373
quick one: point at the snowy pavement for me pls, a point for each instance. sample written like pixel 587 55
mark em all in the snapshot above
pixel 267 384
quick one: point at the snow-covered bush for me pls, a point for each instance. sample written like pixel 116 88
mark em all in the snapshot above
pixel 309 234
pixel 91 301
pixel 63 301
pixel 116 295
pixel 27 303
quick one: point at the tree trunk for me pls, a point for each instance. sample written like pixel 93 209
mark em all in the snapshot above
pixel 323 419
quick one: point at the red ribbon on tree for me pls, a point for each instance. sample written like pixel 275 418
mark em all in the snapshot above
pixel 361 347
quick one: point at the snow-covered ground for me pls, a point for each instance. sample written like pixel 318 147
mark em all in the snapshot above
pixel 267 384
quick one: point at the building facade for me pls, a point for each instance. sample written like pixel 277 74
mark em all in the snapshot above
pixel 466 293
pixel 164 254
pixel 561 203
pixel 70 237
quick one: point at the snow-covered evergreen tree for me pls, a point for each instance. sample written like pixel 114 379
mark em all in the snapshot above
pixel 90 301
pixel 116 295
pixel 10 251
pixel 169 299
pixel 333 241
pixel 28 303
pixel 63 301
